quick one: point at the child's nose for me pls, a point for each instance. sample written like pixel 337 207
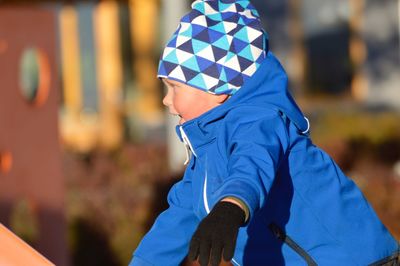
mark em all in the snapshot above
pixel 166 100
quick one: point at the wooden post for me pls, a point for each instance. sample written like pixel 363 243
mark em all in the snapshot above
pixel 144 16
pixel 109 73
pixel 398 15
pixel 298 63
pixel 358 50
pixel 70 61
pixel 77 129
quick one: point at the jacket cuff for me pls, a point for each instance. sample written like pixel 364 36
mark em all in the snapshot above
pixel 242 205
pixel 243 191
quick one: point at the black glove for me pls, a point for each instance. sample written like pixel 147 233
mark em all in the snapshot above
pixel 216 233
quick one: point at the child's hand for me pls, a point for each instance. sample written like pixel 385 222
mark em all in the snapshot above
pixel 217 233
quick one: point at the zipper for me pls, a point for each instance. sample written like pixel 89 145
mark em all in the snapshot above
pixel 281 235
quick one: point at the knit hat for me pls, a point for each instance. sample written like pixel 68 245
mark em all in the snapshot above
pixel 216 47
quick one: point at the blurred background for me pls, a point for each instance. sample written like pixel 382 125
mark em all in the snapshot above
pixel 88 153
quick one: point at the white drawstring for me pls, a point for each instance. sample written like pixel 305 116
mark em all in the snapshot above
pixel 308 126
pixel 188 146
pixel 187 151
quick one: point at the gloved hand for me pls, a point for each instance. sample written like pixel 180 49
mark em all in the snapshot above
pixel 217 232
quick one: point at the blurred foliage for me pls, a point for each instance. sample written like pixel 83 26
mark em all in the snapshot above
pixel 111 194
pixel 376 127
pixel 90 245
pixel 24 222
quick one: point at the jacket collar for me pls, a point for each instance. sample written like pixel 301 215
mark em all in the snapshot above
pixel 267 87
pixel 194 136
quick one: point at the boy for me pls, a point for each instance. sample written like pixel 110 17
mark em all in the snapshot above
pixel 256 190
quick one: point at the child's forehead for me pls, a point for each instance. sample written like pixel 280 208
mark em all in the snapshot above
pixel 185 89
pixel 171 82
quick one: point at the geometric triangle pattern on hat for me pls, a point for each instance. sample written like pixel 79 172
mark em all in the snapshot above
pixel 217 46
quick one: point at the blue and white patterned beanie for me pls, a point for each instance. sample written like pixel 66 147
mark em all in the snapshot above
pixel 217 46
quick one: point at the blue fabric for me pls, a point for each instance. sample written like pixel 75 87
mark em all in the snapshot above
pixel 218 45
pixel 252 147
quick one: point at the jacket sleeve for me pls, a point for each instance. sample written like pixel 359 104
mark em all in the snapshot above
pixel 167 242
pixel 255 149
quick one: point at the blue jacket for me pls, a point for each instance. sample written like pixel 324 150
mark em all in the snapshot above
pixel 256 147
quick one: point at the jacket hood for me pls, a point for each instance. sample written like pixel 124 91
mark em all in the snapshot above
pixel 268 87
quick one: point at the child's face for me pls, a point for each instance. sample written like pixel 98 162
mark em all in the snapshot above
pixel 188 102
